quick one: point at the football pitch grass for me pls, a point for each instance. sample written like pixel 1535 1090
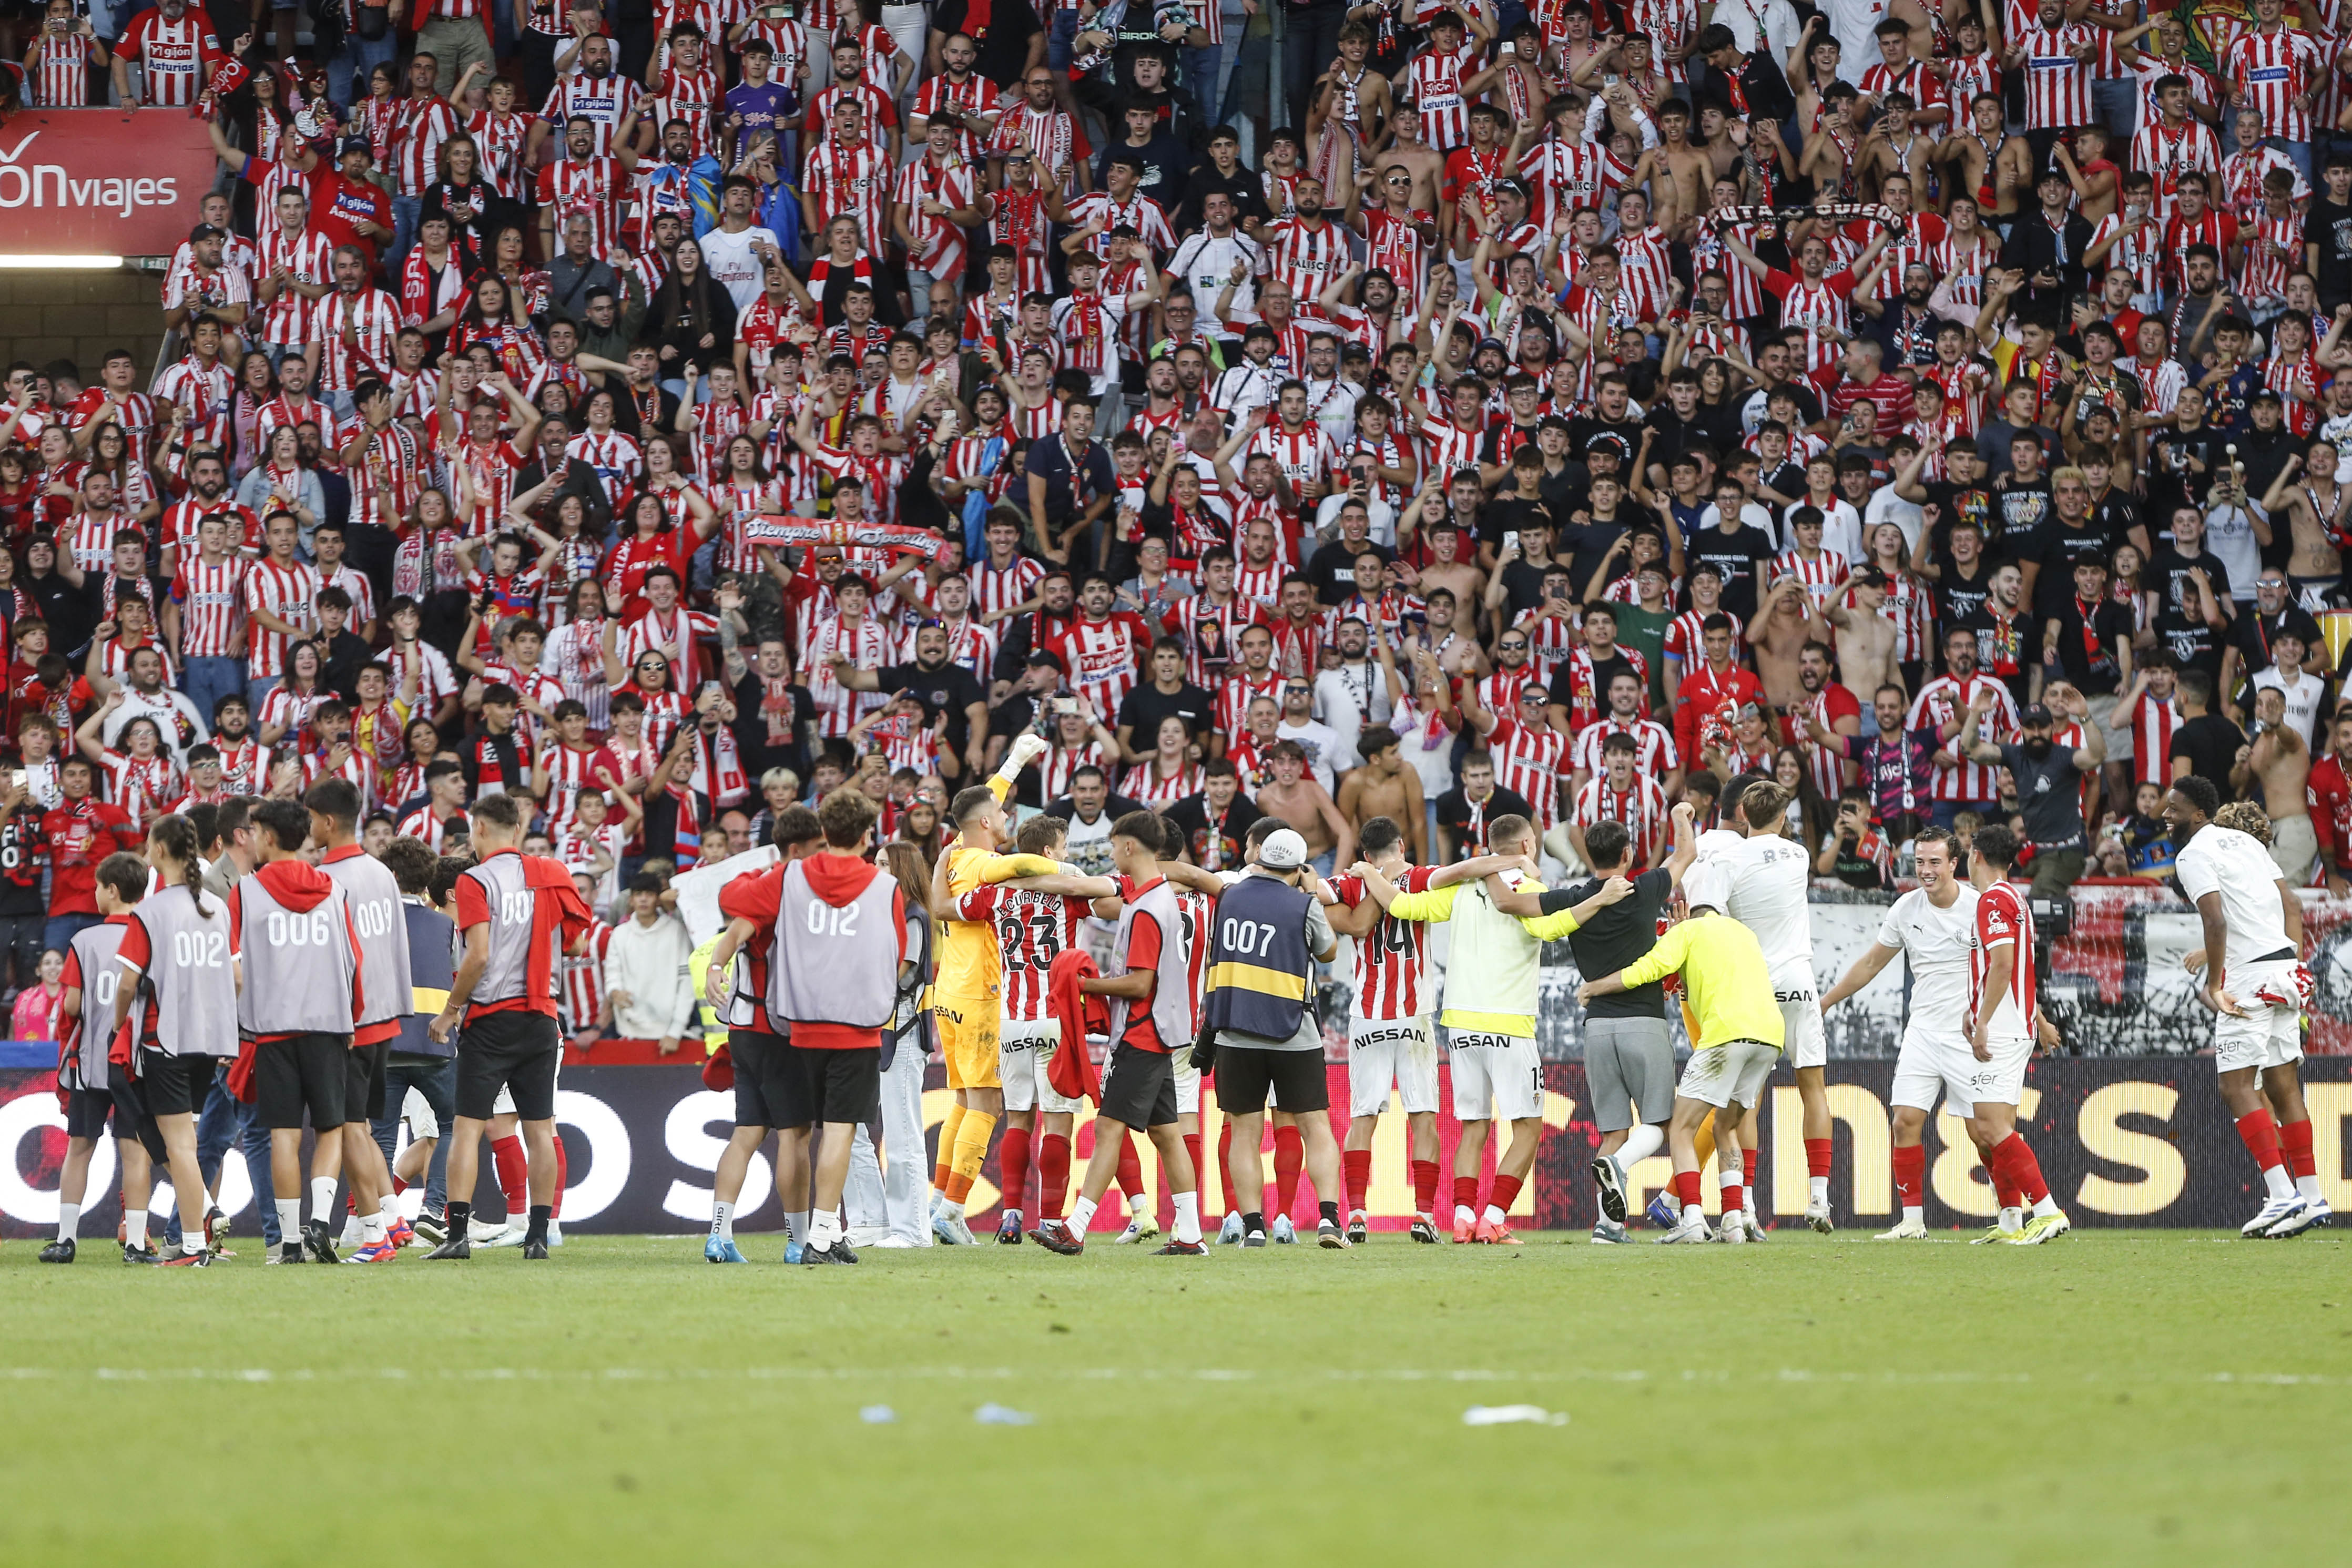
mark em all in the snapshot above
pixel 2115 1397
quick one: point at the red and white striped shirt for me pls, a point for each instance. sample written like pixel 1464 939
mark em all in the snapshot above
pixel 62 79
pixel 1309 258
pixel 1643 809
pixel 1945 700
pixel 285 592
pixel 939 240
pixel 144 787
pixel 2153 723
pixel 2262 280
pixel 1434 82
pixel 1528 762
pixel 289 711
pixel 976 96
pixel 2167 154
pixel 2057 85
pixel 211 600
pixel 1144 786
pixel 837 180
pixel 602 103
pixel 865 645
pixel 1657 757
pixel 388 478
pixel 1032 931
pixel 1104 657
pixel 419 126
pixel 1389 958
pixel 498 140
pixel 617 459
pixel 2003 920
pixel 307 257
pixel 564 774
pixel 1686 640
pixel 592 185
pixel 373 317
pixel 1059 763
pixel 2272 69
pixel 1235 694
pixel 583 973
pixel 170 55
pixel 1813 306
pixel 421 823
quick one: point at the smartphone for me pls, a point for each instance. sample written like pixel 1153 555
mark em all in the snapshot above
pixel 1066 705
pixel 1609 79
pixel 1507 47
pixel 1510 540
pixel 16 778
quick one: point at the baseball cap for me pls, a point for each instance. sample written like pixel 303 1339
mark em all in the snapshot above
pixel 350 144
pixel 1284 850
pixel 205 231
pixel 2035 713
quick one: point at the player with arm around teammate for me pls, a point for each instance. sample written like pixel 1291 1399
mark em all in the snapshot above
pixel 1629 1054
pixel 2258 990
pixel 1390 1041
pixel 1728 987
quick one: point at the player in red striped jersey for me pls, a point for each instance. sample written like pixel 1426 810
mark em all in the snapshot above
pixel 1390 1043
pixel 2004 1019
pixel 1031 929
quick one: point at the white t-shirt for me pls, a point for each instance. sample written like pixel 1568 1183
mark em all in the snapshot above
pixel 729 258
pixel 1382 515
pixel 1850 23
pixel 1768 879
pixel 1322 746
pixel 1340 702
pixel 1775 19
pixel 2223 860
pixel 2230 535
pixel 1885 506
pixel 1935 944
pixel 2302 698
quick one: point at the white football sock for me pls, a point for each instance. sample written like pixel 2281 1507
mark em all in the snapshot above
pixel 2308 1186
pixel 1138 1204
pixel 2275 1178
pixel 2046 1204
pixel 1493 1215
pixel 191 1243
pixel 389 1211
pixel 1915 1214
pixel 1082 1214
pixel 68 1219
pixel 354 1228
pixel 2013 1219
pixel 371 1229
pixel 796 1226
pixel 952 1208
pixel 1188 1217
pixel 289 1220
pixel 1642 1141
pixel 1818 1190
pixel 722 1220
pixel 322 1196
pixel 135 1227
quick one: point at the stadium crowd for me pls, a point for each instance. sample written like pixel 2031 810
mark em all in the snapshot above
pixel 667 416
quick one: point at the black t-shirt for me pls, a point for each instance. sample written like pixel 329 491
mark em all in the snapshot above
pixel 1616 937
pixel 1958 597
pixel 1147 706
pixel 949 689
pixel 1333 568
pixel 2061 543
pixel 1603 671
pixel 1191 817
pixel 1468 822
pixel 1003 52
pixel 2116 513
pixel 2210 744
pixel 2171 482
pixel 2192 644
pixel 2167 576
pixel 1735 555
pixel 2005 650
pixel 2329 226
pixel 1587 431
pixel 778 739
pixel 22 851
pixel 1523 583
pixel 2021 510
pixel 2253 632
pixel 1586 545
pixel 1675 435
pixel 2094 673
pixel 2048 792
pixel 1949 504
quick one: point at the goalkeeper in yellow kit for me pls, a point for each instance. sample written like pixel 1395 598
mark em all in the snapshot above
pixel 966 1001
pixel 1728 989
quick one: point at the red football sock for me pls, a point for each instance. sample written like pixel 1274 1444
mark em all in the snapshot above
pixel 1504 1192
pixel 398 1187
pixel 1748 1169
pixel 1193 1148
pixel 562 1179
pixel 1687 1189
pixel 1289 1156
pixel 1013 1165
pixel 2008 1197
pixel 1734 1200
pixel 2295 1141
pixel 1817 1158
pixel 2262 1137
pixel 2020 1169
pixel 1910 1173
pixel 513 1168
pixel 1131 1166
pixel 1356 1164
pixel 1052 1174
pixel 1225 1167
pixel 1465 1193
pixel 1425 1186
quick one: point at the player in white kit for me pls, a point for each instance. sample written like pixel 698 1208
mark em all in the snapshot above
pixel 2258 993
pixel 1770 880
pixel 1933 929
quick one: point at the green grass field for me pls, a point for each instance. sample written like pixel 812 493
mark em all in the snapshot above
pixel 2138 1397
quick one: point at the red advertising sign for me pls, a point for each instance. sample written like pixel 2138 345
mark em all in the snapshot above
pixel 99 182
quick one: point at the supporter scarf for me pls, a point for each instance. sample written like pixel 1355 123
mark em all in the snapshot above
pixel 869 535
pixel 2092 652
pixel 1087 318
pixel 860 270
pixel 1016 218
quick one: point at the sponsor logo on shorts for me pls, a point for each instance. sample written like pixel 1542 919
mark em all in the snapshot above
pixel 950 1014
pixel 1471 1042
pixel 1806 995
pixel 1392 1032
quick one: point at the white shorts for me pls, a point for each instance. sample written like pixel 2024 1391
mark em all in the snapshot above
pixel 1932 1062
pixel 1188 1087
pixel 418 1116
pixel 1022 1052
pixel 1382 1052
pixel 2000 1081
pixel 1731 1074
pixel 1801 1035
pixel 1495 1076
pixel 2267 1036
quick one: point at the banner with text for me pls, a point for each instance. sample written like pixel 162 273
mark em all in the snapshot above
pixel 99 182
pixel 2124 1142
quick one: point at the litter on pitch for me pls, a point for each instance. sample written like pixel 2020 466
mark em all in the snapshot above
pixel 995 1415
pixel 876 1415
pixel 1508 1414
